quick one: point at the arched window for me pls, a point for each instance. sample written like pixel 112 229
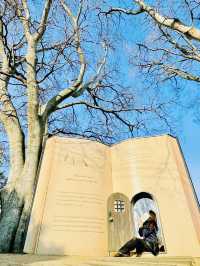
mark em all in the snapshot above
pixel 142 203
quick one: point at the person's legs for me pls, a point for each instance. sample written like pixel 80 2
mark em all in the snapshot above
pixel 134 243
pixel 140 246
pixel 128 246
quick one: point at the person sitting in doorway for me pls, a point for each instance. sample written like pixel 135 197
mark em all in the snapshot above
pixel 148 242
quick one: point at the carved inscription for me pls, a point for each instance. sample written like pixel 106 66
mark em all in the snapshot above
pixel 78 199
pixel 82 178
pixel 78 224
pixel 83 158
pixel 80 203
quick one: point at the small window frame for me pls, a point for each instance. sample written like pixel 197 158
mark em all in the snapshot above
pixel 119 206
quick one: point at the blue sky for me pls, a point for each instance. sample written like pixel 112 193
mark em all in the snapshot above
pixel 190 144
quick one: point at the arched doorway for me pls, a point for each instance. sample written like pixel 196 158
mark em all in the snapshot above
pixel 120 228
pixel 142 203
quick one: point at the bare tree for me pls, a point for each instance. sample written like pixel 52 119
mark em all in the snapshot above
pixel 171 50
pixel 56 75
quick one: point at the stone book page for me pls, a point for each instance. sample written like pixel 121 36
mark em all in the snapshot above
pixel 153 169
pixel 69 214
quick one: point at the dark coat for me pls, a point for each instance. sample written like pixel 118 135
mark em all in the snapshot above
pixel 149 231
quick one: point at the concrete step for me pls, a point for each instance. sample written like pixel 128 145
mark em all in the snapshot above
pixel 37 260
pixel 125 263
pixel 121 264
pixel 110 261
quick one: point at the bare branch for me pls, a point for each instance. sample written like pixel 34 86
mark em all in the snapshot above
pixel 3 55
pixel 124 11
pixel 17 76
pixel 76 27
pixel 95 79
pixel 24 19
pixel 5 73
pixel 190 54
pixel 43 22
pixel 101 108
pixel 73 90
pixel 181 73
pixel 172 23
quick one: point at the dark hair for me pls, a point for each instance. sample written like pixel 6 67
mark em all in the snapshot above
pixel 152 212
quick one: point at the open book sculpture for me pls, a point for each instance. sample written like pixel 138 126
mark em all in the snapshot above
pixel 88 197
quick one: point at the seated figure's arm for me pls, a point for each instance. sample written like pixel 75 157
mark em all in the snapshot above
pixel 140 231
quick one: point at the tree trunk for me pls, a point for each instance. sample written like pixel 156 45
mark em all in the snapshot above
pixel 16 199
pixel 11 211
pixel 20 236
pixel 15 215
